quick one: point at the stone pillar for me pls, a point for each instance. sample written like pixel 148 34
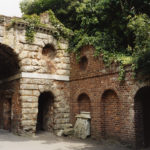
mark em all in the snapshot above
pixel 83 125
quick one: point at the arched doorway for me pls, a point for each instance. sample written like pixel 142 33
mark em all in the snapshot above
pixel 110 115
pixel 45 118
pixel 142 117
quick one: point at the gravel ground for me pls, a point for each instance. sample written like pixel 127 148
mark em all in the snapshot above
pixel 48 141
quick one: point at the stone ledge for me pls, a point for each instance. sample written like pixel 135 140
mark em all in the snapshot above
pixel 36 76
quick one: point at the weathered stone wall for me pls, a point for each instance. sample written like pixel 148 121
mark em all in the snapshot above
pixel 96 81
pixel 39 72
pixel 30 90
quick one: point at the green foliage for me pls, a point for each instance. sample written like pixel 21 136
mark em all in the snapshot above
pixel 33 21
pixel 118 29
pixel 61 30
pixel 140 25
pixel 142 68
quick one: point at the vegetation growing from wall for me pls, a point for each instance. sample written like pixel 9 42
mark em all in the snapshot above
pixel 119 29
pixel 31 21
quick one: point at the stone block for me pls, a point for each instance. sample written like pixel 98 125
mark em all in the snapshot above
pixel 33 55
pixel 36 93
pixel 28 122
pixel 29 87
pixel 29 98
pixel 30 47
pixel 26 61
pixel 23 54
pixel 63 66
pixel 29 68
pixel 29 105
pixel 35 62
pixel 26 92
pixel 29 111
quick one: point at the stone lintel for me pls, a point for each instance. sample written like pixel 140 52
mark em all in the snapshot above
pixel 36 76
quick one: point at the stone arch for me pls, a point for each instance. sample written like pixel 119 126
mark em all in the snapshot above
pixel 84 103
pixel 9 62
pixel 110 114
pixel 141 116
pixel 45 117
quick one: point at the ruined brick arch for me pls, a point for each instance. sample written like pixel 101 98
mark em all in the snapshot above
pixel 45 117
pixel 8 59
pixel 141 116
pixel 110 115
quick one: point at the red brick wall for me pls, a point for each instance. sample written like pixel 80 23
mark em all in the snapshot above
pixel 110 115
pixel 118 105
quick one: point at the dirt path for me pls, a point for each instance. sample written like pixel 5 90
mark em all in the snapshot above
pixel 48 141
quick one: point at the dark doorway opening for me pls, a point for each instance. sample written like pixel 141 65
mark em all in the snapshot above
pixel 45 118
pixel 142 117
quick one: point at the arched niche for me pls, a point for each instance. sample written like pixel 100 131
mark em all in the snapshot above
pixel 84 103
pixel 49 54
pixel 110 115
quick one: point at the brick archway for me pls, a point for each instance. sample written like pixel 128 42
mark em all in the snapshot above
pixel 141 116
pixel 110 115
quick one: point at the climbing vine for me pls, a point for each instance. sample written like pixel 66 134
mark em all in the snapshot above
pixel 33 22
pixel 61 30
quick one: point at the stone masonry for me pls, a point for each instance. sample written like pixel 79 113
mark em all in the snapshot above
pixel 39 72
